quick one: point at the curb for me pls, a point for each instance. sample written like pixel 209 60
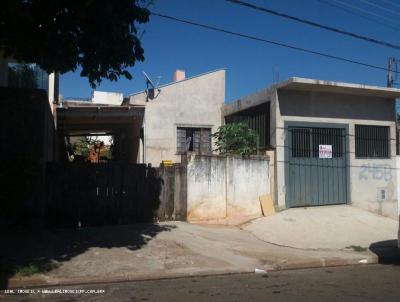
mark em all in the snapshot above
pixel 40 281
pixel 325 262
pixel 36 281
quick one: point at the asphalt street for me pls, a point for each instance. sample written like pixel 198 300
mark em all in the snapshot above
pixel 350 283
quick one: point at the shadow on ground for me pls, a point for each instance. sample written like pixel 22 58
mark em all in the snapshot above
pixel 28 252
pixel 387 251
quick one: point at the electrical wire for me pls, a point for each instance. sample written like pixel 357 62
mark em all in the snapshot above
pixel 269 41
pixel 379 7
pixel 391 3
pixel 315 24
pixel 365 11
pixel 358 14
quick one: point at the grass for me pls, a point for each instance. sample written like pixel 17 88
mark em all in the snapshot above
pixel 357 248
pixel 27 270
pixel 23 270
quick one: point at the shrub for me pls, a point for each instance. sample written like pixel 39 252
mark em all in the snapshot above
pixel 236 138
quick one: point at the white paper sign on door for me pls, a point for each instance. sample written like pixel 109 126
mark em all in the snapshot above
pixel 325 151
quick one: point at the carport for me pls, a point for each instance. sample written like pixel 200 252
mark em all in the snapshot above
pixel 116 191
pixel 124 123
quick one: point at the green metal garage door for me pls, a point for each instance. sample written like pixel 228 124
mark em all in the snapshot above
pixel 316 166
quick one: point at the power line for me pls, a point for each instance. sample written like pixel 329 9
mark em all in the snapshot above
pixel 391 3
pixel 359 15
pixel 365 11
pixel 319 25
pixel 379 6
pixel 267 41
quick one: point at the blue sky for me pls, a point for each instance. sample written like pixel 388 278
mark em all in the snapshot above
pixel 250 65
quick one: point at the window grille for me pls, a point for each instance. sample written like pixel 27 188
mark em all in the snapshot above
pixel 193 140
pixel 372 141
pixel 306 141
pixel 301 142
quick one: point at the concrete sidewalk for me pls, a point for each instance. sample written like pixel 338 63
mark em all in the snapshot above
pixel 154 251
pixel 326 227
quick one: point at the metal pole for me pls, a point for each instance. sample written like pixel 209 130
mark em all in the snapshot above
pixel 391 62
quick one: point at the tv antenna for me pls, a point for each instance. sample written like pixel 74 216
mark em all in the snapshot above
pixel 150 88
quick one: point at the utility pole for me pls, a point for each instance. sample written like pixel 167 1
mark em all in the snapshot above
pixel 391 64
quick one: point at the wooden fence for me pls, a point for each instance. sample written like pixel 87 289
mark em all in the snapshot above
pixel 80 194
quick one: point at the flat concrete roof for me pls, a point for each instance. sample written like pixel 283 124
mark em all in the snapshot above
pixel 338 87
pixel 304 84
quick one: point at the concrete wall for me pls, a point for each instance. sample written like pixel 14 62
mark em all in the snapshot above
pixel 206 188
pixel 221 187
pixel 194 102
pixel 368 177
pixel 260 97
pixel 333 105
pixel 247 180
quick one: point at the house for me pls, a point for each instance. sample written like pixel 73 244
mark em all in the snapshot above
pixel 151 126
pixel 335 143
pixel 148 129
pixel 180 116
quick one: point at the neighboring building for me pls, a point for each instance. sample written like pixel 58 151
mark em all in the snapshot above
pixel 14 74
pixel 335 143
pixel 181 116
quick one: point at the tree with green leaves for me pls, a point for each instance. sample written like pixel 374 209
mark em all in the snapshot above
pixel 236 138
pixel 99 36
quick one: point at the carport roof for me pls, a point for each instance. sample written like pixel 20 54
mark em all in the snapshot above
pixel 94 118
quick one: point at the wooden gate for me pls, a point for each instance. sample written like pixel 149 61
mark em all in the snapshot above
pixel 80 194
